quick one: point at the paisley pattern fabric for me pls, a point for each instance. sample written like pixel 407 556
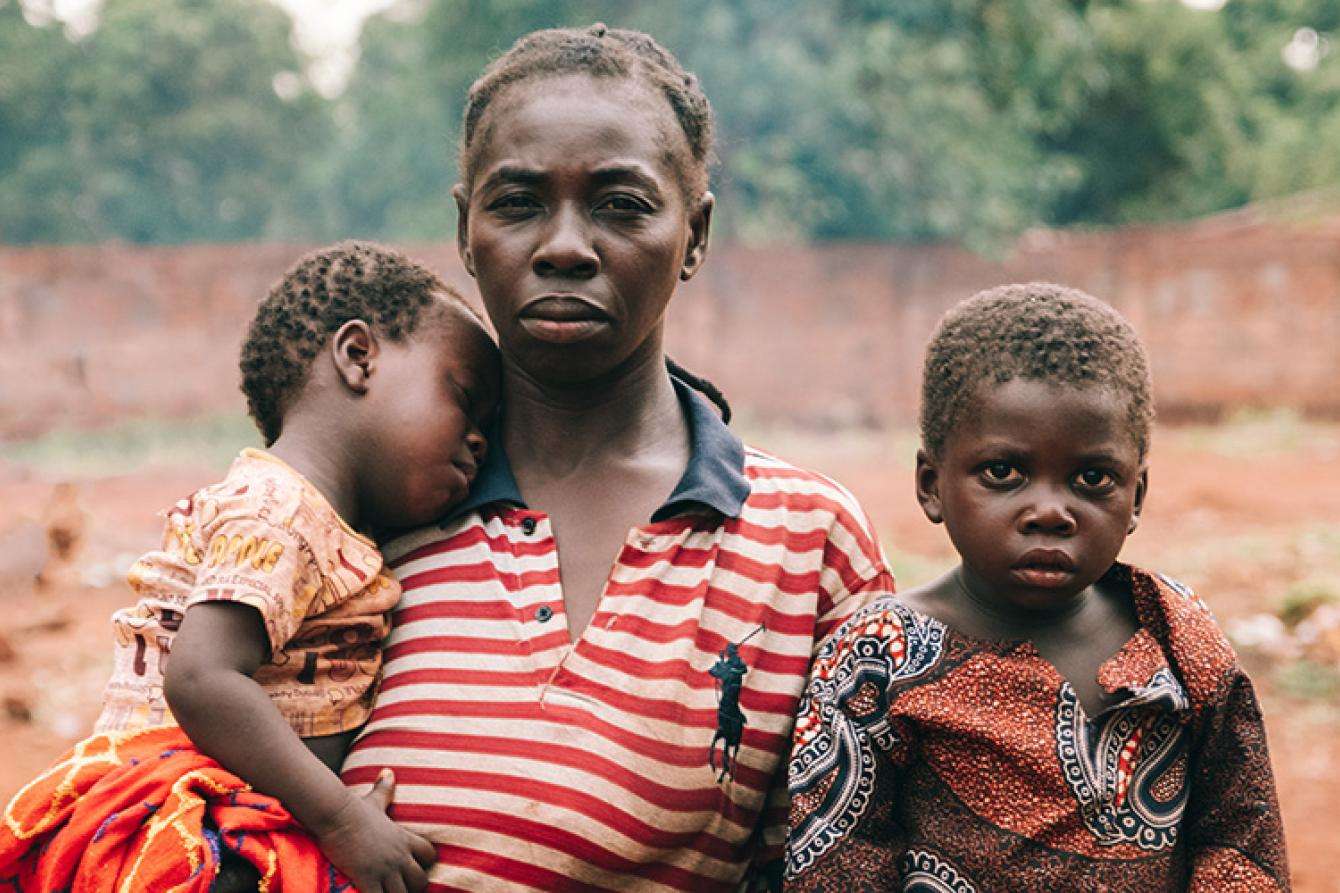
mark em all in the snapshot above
pixel 1123 765
pixel 927 760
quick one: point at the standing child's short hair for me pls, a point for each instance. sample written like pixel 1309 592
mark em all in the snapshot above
pixel 1040 332
pixel 323 291
pixel 600 52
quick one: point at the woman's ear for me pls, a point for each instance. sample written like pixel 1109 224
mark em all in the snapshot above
pixel 463 226
pixel 354 351
pixel 928 487
pixel 700 224
pixel 1141 488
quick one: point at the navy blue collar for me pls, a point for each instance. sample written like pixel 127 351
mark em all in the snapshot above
pixel 714 477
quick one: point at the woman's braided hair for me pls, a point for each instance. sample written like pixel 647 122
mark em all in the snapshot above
pixel 323 291
pixel 597 51
pixel 1038 332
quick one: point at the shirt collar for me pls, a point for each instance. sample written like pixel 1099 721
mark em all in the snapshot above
pixel 714 477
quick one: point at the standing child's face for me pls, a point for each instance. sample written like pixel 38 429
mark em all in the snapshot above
pixel 576 225
pixel 427 399
pixel 1038 489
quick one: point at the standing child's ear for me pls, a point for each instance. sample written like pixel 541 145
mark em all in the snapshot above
pixel 1141 488
pixel 928 487
pixel 463 226
pixel 354 351
pixel 700 224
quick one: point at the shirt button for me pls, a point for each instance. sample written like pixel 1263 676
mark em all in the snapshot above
pixel 543 613
pixel 528 527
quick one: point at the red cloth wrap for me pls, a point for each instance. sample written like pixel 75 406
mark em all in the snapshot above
pixel 126 812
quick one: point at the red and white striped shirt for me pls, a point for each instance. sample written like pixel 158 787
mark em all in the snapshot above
pixel 536 763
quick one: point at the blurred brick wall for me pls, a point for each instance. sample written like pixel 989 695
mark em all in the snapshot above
pixel 1235 310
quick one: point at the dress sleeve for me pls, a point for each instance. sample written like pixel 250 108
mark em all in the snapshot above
pixel 1233 827
pixel 848 750
pixel 263 565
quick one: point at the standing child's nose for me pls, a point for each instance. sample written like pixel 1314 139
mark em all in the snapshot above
pixel 565 247
pixel 1049 512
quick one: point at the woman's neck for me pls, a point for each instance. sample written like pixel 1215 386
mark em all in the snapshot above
pixel 630 416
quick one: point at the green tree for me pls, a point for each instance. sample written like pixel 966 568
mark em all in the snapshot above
pixel 164 127
pixel 34 162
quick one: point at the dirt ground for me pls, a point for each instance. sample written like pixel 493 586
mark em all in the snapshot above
pixel 1248 514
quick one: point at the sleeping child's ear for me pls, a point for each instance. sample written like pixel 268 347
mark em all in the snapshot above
pixel 354 351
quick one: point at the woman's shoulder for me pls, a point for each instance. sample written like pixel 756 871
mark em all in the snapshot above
pixel 775 483
pixel 783 496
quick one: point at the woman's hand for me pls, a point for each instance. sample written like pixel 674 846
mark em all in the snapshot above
pixel 374 852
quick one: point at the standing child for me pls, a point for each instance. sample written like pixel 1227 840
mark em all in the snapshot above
pixel 1041 717
pixel 370 380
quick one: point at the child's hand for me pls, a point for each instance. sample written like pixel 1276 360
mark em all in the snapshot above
pixel 374 852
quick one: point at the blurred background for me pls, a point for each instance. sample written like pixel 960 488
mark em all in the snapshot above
pixel 163 161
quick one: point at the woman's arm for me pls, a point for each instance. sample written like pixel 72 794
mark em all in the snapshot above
pixel 209 687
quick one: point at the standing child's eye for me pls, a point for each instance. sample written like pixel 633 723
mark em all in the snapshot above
pixel 1000 474
pixel 1095 479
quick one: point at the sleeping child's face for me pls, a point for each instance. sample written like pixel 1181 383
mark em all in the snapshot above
pixel 431 395
pixel 1038 489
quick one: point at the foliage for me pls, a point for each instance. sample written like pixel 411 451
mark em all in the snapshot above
pixel 966 120
pixel 161 126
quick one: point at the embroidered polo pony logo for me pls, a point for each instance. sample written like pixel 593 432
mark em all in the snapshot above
pixel 729 672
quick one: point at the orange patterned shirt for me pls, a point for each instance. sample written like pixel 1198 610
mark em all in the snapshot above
pixel 265 537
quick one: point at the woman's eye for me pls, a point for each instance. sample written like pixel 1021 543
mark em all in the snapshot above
pixel 1095 479
pixel 1000 473
pixel 622 203
pixel 513 203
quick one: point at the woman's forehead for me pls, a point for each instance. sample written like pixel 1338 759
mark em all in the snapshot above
pixel 543 121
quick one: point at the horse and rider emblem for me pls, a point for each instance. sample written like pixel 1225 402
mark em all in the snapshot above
pixel 729 672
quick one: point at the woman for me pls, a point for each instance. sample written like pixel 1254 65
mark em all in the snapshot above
pixel 555 721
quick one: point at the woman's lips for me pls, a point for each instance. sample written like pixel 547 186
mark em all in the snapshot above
pixel 563 319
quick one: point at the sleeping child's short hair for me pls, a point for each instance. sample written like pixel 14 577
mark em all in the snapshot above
pixel 1038 331
pixel 323 291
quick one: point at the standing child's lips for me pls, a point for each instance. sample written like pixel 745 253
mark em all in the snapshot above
pixel 1041 577
pixel 1044 568
pixel 1050 559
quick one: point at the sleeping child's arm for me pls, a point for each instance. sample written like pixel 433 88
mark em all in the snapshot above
pixel 210 689
pixel 1233 824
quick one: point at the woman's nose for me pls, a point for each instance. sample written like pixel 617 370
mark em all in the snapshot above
pixel 565 248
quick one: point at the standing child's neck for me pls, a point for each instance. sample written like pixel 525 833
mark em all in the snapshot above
pixel 1011 619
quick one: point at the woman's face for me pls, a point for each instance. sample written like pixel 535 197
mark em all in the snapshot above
pixel 576 225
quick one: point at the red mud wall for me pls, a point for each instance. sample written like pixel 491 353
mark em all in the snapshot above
pixel 1235 312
